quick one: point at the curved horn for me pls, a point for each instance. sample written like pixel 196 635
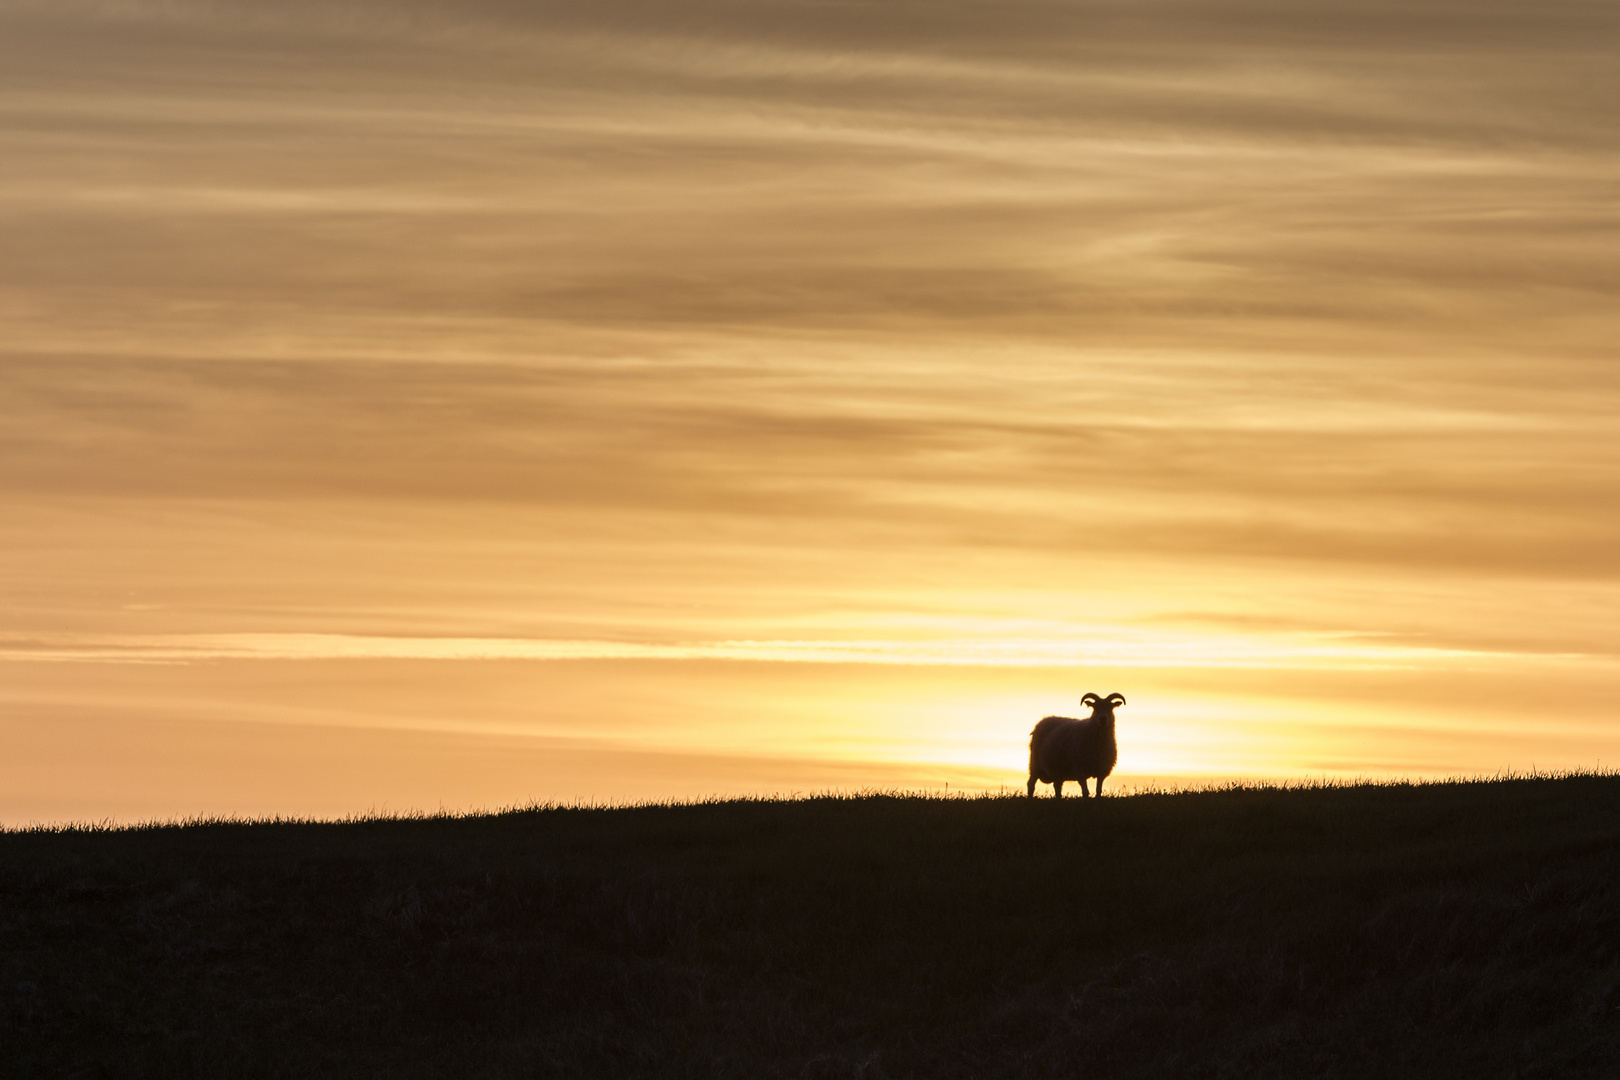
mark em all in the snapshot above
pixel 1117 694
pixel 1090 699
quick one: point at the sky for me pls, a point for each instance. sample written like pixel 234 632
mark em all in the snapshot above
pixel 426 405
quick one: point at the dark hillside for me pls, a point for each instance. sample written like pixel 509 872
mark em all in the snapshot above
pixel 1427 931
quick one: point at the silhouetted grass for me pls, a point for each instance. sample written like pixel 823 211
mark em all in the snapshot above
pixel 1462 929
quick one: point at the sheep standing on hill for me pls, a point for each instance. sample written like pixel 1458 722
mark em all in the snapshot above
pixel 1063 748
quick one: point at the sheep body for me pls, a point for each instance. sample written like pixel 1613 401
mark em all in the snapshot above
pixel 1063 748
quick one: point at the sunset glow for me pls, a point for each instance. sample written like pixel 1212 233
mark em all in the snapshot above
pixel 420 404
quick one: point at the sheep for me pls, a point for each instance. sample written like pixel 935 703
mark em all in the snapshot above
pixel 1063 748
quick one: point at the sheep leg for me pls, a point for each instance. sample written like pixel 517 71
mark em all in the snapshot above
pixel 1031 788
pixel 1099 787
pixel 1085 791
pixel 1057 789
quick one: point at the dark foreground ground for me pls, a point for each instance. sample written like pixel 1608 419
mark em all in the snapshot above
pixel 1373 931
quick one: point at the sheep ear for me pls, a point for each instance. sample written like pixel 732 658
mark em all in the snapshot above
pixel 1090 699
pixel 1117 697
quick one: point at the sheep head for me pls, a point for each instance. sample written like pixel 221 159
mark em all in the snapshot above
pixel 1103 707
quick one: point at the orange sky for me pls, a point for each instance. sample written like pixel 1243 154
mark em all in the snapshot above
pixel 421 404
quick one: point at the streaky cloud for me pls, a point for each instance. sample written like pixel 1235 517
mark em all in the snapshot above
pixel 1143 649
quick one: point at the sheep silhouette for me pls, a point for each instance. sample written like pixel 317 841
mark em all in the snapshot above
pixel 1062 748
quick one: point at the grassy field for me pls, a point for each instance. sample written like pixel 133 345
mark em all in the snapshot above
pixel 1466 929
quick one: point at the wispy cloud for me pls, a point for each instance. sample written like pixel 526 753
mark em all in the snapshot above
pixel 1113 649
